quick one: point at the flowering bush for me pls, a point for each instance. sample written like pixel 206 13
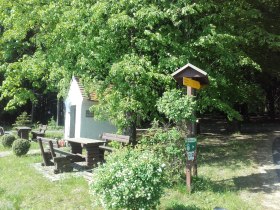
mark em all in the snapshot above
pixel 170 145
pixel 130 179
pixel 177 106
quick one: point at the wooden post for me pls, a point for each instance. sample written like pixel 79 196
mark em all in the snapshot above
pixel 43 152
pixel 189 175
pixel 193 78
pixel 191 133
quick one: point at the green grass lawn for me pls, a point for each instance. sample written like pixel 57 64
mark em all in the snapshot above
pixel 22 187
pixel 226 165
pixel 226 176
pixel 34 145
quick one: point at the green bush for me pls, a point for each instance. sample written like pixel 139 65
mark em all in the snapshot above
pixel 168 144
pixel 21 147
pixel 177 106
pixel 7 140
pixel 130 179
pixel 52 125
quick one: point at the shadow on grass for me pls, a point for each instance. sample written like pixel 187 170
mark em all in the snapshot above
pixel 260 182
pixel 182 207
pixel 228 151
pixel 200 184
pixel 205 184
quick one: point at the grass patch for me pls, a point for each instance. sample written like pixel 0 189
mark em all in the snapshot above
pixel 2 148
pixel 227 169
pixel 228 176
pixel 54 134
pixel 24 188
pixel 34 145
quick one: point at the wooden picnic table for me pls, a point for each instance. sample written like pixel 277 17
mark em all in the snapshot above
pixel 23 132
pixel 93 154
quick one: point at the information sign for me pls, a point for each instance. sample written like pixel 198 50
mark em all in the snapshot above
pixel 191 148
pixel 192 83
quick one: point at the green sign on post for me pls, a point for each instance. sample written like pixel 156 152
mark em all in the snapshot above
pixel 191 148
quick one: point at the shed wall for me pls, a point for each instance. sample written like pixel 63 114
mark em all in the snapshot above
pixel 74 97
pixel 91 128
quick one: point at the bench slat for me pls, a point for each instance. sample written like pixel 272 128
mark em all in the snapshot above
pixel 107 148
pixel 115 137
pixel 109 137
pixel 62 163
pixel 47 140
pixel 70 156
pixel 62 152
pixel 40 132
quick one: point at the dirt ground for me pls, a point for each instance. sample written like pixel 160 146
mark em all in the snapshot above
pixel 269 182
pixel 264 182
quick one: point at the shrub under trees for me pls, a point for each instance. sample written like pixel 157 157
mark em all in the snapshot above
pixel 21 147
pixel 130 179
pixel 7 140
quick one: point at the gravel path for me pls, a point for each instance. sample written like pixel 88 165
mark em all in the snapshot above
pixel 7 153
pixel 4 154
pixel 269 169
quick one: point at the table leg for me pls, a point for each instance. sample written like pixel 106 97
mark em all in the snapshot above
pixel 76 148
pixel 92 155
pixel 23 134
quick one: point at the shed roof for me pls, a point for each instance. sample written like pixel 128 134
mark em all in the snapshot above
pixel 92 96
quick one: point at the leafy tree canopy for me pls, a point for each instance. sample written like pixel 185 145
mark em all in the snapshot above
pixel 128 48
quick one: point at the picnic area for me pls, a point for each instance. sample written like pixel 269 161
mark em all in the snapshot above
pixel 233 170
pixel 140 105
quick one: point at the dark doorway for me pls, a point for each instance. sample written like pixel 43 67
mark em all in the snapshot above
pixel 72 121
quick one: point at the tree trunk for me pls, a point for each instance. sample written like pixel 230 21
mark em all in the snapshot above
pixel 271 103
pixel 32 112
pixel 233 126
pixel 130 130
pixel 57 112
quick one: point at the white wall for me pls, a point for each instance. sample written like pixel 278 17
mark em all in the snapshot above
pixel 91 128
pixel 85 127
pixel 74 97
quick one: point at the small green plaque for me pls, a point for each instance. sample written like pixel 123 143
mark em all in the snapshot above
pixel 191 148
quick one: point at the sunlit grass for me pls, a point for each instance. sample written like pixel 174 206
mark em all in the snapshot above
pixel 227 170
pixel 23 188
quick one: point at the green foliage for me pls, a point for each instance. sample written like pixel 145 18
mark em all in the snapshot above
pixel 130 179
pixel 54 134
pixel 7 140
pixel 176 106
pixel 133 46
pixel 129 89
pixel 23 120
pixel 53 125
pixel 21 147
pixel 168 144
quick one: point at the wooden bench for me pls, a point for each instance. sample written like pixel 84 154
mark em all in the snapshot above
pixel 62 160
pixel 40 132
pixel 109 137
pixel 3 132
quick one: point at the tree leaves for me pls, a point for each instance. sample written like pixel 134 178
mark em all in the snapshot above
pixel 131 48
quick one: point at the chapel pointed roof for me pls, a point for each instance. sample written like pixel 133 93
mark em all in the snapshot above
pixel 91 96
